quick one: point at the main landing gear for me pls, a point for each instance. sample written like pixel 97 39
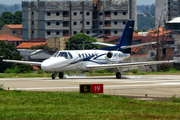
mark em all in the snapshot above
pixel 61 75
pixel 118 75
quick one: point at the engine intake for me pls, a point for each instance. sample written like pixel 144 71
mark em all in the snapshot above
pixel 109 55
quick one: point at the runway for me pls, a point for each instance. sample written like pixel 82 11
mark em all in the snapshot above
pixel 152 85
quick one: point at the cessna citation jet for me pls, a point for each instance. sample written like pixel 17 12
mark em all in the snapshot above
pixel 110 57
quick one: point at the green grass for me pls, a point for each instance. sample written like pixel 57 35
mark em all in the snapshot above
pixel 171 71
pixel 24 75
pixel 22 105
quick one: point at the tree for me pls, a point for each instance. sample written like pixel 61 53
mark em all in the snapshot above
pixel 17 17
pixel 77 41
pixel 8 51
pixel 9 18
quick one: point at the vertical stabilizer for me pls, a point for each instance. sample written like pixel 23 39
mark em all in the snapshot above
pixel 126 38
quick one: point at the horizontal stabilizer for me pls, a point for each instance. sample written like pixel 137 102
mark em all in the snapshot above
pixel 105 44
pixel 130 46
pixel 23 62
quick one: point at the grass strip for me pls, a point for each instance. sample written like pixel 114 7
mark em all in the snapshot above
pixel 25 105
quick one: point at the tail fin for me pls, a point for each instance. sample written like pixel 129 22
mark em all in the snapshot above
pixel 126 38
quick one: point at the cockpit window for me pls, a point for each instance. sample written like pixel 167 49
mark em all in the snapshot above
pixel 63 54
pixel 70 55
pixel 54 55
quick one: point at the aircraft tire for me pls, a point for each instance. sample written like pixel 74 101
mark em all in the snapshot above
pixel 61 75
pixel 53 76
pixel 118 75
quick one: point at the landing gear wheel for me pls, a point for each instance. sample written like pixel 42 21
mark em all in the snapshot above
pixel 53 76
pixel 118 75
pixel 61 75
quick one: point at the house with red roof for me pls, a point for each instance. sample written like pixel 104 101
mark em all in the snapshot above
pixel 13 30
pixel 27 45
pixel 8 39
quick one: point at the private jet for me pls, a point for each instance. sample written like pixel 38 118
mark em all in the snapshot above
pixel 110 57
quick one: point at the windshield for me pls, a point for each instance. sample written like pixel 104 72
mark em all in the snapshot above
pixel 63 54
pixel 54 55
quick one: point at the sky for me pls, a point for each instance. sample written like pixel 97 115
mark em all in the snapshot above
pixel 11 2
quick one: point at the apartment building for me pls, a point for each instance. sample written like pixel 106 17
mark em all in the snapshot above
pixel 45 19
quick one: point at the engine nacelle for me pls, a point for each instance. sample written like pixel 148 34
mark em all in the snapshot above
pixel 116 56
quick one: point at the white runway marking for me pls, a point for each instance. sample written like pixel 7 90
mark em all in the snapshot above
pixel 113 86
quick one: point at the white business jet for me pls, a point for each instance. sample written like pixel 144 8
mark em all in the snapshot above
pixel 110 57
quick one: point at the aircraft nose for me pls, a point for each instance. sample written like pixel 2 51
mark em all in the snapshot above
pixel 45 65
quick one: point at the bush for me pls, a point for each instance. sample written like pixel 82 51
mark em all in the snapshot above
pixel 102 71
pixel 40 71
pixel 164 67
pixel 175 99
pixel 135 71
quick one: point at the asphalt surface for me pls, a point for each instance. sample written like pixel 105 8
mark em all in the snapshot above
pixel 152 85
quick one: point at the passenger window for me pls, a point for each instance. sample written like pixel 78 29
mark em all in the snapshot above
pixel 83 55
pixel 79 55
pixel 86 55
pixel 70 55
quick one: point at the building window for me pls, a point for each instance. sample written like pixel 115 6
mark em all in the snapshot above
pixel 100 13
pixel 115 32
pixel 57 32
pixel 81 22
pixel 115 22
pixel 164 4
pixel 74 23
pixel 175 4
pixel 65 23
pixel 175 10
pixel 115 13
pixel 87 23
pixel 32 22
pixel 48 23
pixel 87 13
pixel 100 23
pixel 100 32
pixel 32 13
pixel 124 22
pixel 87 32
pixel 75 13
pixel 48 33
pixel 32 32
pixel 65 13
pixel 57 23
pixel 80 12
pixel 48 14
pixel 124 13
pixel 75 32
pixel 57 13
pixel 14 32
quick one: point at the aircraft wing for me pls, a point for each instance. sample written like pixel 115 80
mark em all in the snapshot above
pixel 23 62
pixel 104 66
